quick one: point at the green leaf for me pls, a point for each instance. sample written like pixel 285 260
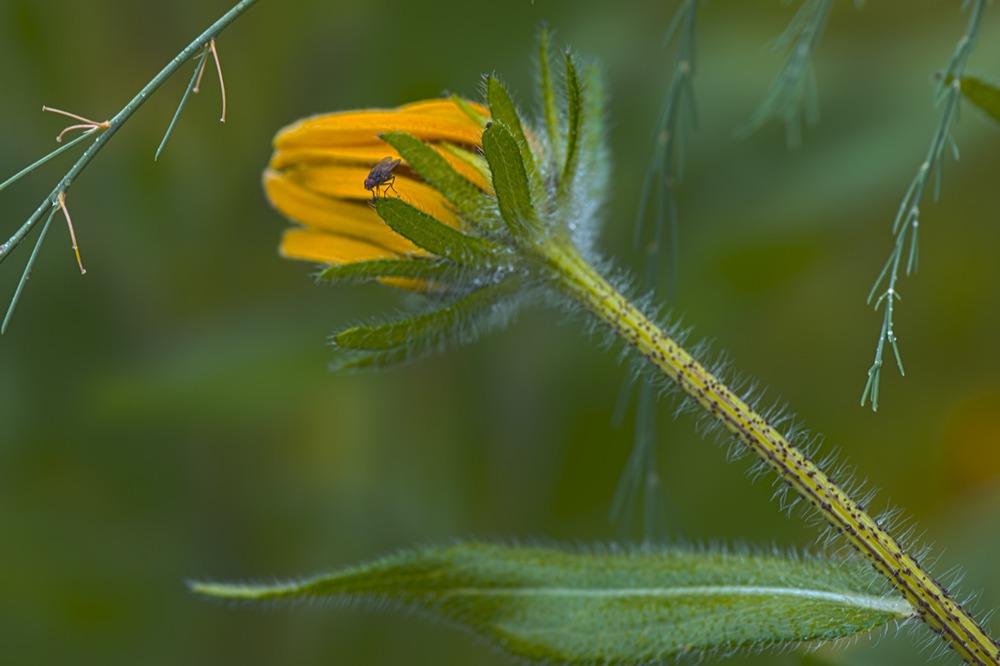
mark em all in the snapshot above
pixel 984 95
pixel 510 181
pixel 438 238
pixel 454 322
pixel 624 607
pixel 432 271
pixel 468 199
pixel 574 98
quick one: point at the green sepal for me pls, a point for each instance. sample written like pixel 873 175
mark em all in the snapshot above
pixel 550 102
pixel 454 321
pixel 503 111
pixel 432 271
pixel 981 94
pixel 467 109
pixel 510 182
pixel 555 606
pixel 574 100
pixel 473 159
pixel 467 199
pixel 437 238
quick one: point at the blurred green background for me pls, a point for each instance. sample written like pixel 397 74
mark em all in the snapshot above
pixel 171 414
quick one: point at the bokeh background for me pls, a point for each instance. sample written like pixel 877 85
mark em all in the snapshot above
pixel 171 414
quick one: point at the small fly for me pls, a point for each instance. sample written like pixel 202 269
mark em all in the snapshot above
pixel 381 176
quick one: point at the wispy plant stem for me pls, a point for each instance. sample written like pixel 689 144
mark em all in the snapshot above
pixel 668 160
pixel 931 601
pixel 656 233
pixel 101 138
pixel 793 93
pixel 905 226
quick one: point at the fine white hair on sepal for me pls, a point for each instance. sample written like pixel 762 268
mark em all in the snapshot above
pixel 422 343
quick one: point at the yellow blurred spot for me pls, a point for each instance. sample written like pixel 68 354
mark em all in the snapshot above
pixel 971 441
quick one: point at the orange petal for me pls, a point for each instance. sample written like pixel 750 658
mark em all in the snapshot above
pixel 366 155
pixel 445 108
pixel 341 219
pixel 435 120
pixel 347 182
pixel 326 248
pixel 472 174
pixel 424 197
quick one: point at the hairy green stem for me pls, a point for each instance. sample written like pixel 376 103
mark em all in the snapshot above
pixel 930 600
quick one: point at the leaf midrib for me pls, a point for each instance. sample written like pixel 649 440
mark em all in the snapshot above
pixel 879 603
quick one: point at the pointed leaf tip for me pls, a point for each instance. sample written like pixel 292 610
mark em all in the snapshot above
pixel 504 111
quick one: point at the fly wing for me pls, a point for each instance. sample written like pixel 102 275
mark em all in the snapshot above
pixel 384 167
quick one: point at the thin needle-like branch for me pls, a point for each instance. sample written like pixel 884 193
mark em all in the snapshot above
pixel 55 153
pixel 200 44
pixel 192 84
pixel 193 87
pixel 27 270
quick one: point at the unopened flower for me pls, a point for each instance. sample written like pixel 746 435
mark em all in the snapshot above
pixel 464 202
pixel 316 177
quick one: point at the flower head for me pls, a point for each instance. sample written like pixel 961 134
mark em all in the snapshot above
pixel 317 177
pixel 459 200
